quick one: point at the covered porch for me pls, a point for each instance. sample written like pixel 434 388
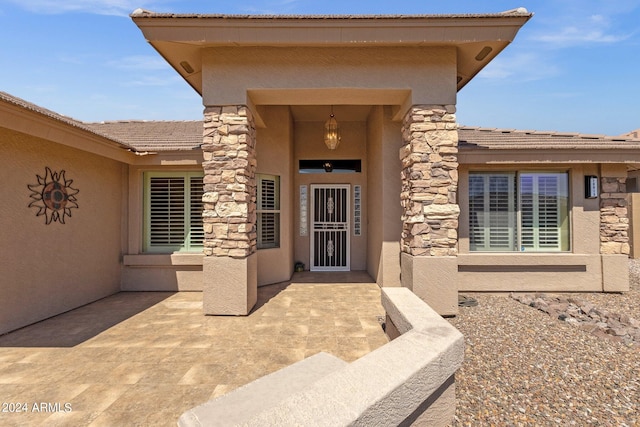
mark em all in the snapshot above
pixel 146 357
pixel 269 83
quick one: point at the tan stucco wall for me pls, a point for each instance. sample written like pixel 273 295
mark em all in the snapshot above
pixel 301 76
pixel 309 144
pixel 275 157
pixel 634 221
pixel 155 272
pixel 49 269
pixel 580 269
pixel 384 210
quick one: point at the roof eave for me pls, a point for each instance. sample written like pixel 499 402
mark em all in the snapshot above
pixel 469 33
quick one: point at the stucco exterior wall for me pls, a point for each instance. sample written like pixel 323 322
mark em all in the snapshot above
pixel 300 75
pixel 634 220
pixel 155 272
pixel 579 269
pixel 274 148
pixel 50 269
pixel 383 180
pixel 309 144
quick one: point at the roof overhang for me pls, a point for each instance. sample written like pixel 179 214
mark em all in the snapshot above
pixel 180 38
pixel 20 116
pixel 508 146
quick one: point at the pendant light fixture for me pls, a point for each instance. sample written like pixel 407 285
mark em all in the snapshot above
pixel 331 132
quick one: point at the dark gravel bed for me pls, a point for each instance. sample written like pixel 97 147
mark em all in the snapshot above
pixel 523 367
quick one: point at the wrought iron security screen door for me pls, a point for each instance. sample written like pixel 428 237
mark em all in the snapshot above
pixel 330 228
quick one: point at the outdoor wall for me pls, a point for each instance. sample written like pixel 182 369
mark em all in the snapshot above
pixel 384 210
pixel 149 271
pixel 51 268
pixel 325 75
pixel 309 144
pixel 634 221
pixel 579 269
pixel 274 148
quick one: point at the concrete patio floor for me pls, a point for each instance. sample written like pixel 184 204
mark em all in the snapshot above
pixel 143 358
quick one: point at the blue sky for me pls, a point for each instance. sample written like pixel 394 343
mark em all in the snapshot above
pixel 574 66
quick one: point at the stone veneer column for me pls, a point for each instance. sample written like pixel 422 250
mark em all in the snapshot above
pixel 229 215
pixel 614 228
pixel 429 201
pixel 614 222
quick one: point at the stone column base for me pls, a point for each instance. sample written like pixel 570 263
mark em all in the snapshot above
pixel 433 279
pixel 615 273
pixel 229 285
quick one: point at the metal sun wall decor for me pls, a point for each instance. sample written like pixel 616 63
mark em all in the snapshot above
pixel 53 196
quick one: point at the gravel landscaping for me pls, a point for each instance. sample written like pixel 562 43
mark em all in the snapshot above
pixel 525 367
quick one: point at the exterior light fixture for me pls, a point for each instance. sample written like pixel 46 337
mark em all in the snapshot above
pixel 331 132
pixel 590 187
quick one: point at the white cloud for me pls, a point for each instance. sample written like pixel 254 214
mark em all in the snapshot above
pixel 153 81
pixel 98 7
pixel 139 62
pixel 594 29
pixel 270 7
pixel 520 67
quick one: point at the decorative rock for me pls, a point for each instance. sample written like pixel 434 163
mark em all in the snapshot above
pixel 600 322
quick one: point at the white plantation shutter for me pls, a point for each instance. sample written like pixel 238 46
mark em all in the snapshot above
pixel 173 212
pixel 196 231
pixel 542 204
pixel 166 225
pixel 492 212
pixel 268 211
pixel 477 227
pixel 501 212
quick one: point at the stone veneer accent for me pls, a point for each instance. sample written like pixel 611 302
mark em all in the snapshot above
pixel 430 181
pixel 614 220
pixel 229 214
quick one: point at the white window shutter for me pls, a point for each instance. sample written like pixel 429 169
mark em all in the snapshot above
pixel 167 211
pixel 196 230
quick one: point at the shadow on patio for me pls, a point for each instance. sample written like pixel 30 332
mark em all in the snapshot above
pixel 77 326
pixel 145 358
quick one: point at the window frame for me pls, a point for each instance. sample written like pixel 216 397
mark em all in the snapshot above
pixel 187 246
pixel 562 197
pixel 262 211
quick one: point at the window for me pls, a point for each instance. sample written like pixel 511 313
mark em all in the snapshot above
pixel 519 211
pixel 268 211
pixel 173 212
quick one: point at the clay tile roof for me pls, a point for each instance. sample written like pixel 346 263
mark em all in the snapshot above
pixel 473 138
pixel 154 135
pixel 10 99
pixel 142 13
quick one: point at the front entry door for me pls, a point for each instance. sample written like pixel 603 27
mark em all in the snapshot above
pixel 330 228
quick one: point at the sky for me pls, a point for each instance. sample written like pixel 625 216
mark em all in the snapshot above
pixel 574 67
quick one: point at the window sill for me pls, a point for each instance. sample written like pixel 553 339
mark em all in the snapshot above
pixel 522 262
pixel 160 260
